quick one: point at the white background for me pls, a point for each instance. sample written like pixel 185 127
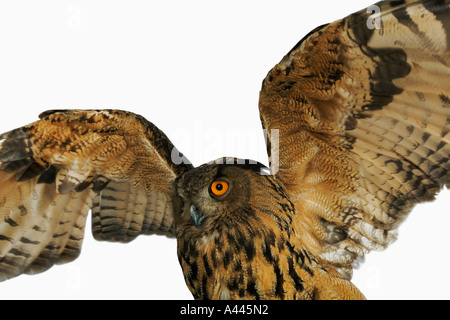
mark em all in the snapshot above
pixel 194 68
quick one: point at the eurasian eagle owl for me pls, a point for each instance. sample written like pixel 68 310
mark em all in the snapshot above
pixel 357 116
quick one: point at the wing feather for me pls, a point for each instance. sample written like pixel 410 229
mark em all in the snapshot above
pixel 363 117
pixel 55 170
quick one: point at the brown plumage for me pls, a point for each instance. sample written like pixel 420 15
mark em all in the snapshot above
pixel 247 246
pixel 56 169
pixel 361 110
pixel 374 121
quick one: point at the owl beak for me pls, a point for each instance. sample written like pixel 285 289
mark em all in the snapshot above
pixel 196 217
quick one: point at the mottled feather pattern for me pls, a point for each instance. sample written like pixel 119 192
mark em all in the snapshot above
pixel 58 168
pixel 121 215
pixel 366 115
pixel 249 248
pixel 361 110
pixel 46 227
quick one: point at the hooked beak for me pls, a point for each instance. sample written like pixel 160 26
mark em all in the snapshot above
pixel 196 217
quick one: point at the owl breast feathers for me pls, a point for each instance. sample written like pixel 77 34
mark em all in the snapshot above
pixel 358 120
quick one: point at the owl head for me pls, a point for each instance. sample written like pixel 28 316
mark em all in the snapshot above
pixel 217 195
pixel 232 221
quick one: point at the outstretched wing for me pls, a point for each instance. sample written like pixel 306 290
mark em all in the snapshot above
pixel 362 106
pixel 54 170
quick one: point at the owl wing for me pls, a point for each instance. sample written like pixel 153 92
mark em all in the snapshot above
pixel 361 109
pixel 56 169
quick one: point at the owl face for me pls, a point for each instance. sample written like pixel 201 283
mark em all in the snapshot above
pixel 228 217
pixel 213 196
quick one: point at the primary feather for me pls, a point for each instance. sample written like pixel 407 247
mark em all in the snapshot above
pixel 56 169
pixel 358 117
pixel 363 117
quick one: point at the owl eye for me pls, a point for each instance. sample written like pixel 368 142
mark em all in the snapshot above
pixel 219 188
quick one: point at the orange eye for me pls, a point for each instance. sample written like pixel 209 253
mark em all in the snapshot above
pixel 219 187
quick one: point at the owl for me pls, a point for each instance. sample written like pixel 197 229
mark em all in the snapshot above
pixel 357 123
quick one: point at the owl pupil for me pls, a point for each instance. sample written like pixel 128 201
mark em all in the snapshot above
pixel 219 187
